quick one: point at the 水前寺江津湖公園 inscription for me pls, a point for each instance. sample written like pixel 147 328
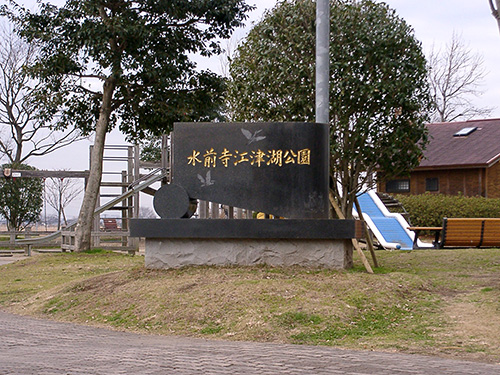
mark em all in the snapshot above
pixel 211 158
pixel 276 168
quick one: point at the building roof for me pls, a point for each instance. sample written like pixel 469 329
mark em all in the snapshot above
pixel 476 147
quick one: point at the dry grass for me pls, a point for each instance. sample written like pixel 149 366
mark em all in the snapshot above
pixel 442 302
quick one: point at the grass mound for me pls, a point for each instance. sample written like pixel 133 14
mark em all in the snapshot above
pixel 431 302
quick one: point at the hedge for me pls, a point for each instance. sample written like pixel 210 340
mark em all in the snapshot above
pixel 430 209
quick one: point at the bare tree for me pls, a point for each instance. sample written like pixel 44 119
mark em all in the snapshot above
pixel 147 213
pixel 24 131
pixel 495 7
pixel 60 192
pixel 227 54
pixel 455 78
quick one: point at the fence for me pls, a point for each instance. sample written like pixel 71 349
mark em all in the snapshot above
pixel 24 241
pixel 8 239
pixel 110 237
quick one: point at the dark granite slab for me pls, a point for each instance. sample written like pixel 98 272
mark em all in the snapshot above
pixel 246 228
pixel 275 168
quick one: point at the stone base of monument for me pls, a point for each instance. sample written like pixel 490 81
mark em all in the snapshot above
pixel 173 243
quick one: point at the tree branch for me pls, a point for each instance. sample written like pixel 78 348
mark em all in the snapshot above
pixel 495 11
pixel 454 75
pixel 83 76
pixel 20 106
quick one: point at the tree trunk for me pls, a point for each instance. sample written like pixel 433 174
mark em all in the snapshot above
pixel 19 146
pixel 59 210
pixel 59 219
pixel 64 217
pixel 85 219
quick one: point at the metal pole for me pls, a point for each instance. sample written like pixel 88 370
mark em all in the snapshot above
pixel 45 201
pixel 322 61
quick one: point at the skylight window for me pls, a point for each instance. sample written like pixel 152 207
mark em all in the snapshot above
pixel 465 132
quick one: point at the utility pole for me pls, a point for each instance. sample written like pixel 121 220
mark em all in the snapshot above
pixel 322 61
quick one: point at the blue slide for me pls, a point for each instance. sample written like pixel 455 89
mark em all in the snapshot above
pixel 389 228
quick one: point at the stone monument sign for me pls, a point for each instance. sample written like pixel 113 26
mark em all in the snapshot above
pixel 275 168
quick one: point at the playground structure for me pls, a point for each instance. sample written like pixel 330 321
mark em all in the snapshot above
pixel 67 234
pixel 121 168
pixel 131 191
pixel 390 229
pixel 119 192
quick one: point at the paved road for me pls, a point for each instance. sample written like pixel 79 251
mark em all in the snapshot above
pixel 32 346
pixel 4 259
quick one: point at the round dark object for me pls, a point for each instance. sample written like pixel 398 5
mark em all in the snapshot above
pixel 172 202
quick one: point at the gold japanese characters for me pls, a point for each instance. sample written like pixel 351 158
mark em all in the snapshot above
pixel 258 158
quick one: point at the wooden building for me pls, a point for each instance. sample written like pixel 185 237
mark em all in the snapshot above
pixel 461 158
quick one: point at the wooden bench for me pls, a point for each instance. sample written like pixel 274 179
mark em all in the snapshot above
pixel 470 232
pixel 110 225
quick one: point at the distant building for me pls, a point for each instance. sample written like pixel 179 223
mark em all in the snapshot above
pixel 461 158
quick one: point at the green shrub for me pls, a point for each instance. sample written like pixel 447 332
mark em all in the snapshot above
pixel 430 209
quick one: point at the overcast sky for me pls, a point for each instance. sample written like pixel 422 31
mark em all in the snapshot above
pixel 434 22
